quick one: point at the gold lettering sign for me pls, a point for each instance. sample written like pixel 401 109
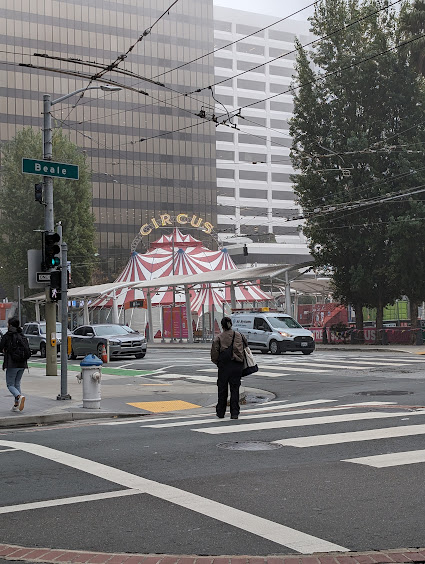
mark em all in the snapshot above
pixel 182 219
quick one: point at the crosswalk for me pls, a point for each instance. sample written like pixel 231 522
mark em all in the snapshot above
pixel 309 417
pixel 281 366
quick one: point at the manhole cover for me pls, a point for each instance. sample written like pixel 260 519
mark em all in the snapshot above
pixel 249 445
pixel 384 393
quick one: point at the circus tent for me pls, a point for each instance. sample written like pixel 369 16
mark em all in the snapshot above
pixel 190 257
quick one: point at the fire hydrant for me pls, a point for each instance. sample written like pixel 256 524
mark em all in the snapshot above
pixel 91 375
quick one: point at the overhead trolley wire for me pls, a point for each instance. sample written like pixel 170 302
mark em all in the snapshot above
pixel 236 41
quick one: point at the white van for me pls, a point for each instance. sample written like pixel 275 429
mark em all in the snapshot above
pixel 273 331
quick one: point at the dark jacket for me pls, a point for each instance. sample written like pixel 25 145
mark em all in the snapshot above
pixel 5 342
pixel 224 341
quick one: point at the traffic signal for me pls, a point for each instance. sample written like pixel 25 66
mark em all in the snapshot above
pixel 55 285
pixel 38 193
pixel 51 250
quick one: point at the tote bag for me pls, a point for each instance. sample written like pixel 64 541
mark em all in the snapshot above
pixel 249 364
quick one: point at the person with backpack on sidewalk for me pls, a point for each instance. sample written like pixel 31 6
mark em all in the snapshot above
pixel 14 345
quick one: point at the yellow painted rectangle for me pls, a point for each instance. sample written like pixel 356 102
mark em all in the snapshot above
pixel 161 406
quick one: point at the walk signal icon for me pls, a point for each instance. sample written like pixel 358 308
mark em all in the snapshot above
pixel 55 294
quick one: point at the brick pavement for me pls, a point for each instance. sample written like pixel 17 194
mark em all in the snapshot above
pixel 26 554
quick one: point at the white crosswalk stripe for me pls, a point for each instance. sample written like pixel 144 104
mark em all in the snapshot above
pixel 355 436
pixel 280 414
pixel 390 459
pixel 322 420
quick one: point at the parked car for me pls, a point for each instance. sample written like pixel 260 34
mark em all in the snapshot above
pixel 89 339
pixel 273 331
pixel 35 332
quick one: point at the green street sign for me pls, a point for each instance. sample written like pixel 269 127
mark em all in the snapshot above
pixel 49 168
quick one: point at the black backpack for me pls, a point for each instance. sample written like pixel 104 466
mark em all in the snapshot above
pixel 18 349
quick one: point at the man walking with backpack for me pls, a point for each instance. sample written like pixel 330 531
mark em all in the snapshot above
pixel 14 346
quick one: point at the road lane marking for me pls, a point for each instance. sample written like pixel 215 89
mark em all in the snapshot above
pixel 264 528
pixel 282 413
pixel 342 364
pixel 303 422
pixel 353 437
pixel 391 459
pixel 66 501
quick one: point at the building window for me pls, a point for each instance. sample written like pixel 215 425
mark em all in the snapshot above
pixel 245 66
pixel 222 63
pixel 251 85
pixel 225 173
pixel 222 44
pixel 253 175
pixel 281 71
pixel 281 36
pixel 282 107
pixel 225 155
pixel 251 139
pixel 250 48
pixel 261 194
pixel 259 105
pixel 279 124
pixel 248 30
pixel 226 191
pixel 278 195
pixel 254 121
pixel 252 157
pixel 282 142
pixel 222 26
pixel 281 177
pixel 224 136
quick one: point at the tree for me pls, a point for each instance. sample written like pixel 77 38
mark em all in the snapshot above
pixel 412 24
pixel 21 215
pixel 356 144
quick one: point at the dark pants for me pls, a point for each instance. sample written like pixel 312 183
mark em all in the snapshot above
pixel 229 375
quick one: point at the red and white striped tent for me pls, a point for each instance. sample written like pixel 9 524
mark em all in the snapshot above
pixel 190 257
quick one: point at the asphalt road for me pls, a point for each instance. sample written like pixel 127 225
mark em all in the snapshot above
pixel 165 484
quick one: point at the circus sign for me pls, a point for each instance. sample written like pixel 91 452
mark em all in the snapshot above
pixel 183 219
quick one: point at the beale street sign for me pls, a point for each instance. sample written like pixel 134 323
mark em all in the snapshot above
pixel 49 168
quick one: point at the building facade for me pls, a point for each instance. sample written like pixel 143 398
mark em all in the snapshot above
pixel 255 195
pixel 149 153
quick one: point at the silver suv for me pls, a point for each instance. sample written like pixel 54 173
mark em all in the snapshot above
pixel 36 334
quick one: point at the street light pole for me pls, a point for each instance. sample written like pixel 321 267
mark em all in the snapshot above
pixel 50 311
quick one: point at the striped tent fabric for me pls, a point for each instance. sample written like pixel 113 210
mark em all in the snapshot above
pixel 190 257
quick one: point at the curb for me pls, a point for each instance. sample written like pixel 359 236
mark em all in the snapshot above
pixel 30 420
pixel 23 554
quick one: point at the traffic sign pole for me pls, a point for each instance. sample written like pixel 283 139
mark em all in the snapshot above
pixel 64 322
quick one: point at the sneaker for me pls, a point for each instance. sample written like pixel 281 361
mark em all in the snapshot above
pixel 21 402
pixel 15 408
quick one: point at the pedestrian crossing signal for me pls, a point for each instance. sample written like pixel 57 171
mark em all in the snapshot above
pixel 55 294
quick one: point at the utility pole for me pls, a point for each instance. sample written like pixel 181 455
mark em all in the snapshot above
pixel 50 311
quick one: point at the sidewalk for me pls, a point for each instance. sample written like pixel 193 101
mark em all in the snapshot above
pixel 23 554
pixel 119 389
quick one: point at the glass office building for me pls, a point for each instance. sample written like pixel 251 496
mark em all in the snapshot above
pixel 149 153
